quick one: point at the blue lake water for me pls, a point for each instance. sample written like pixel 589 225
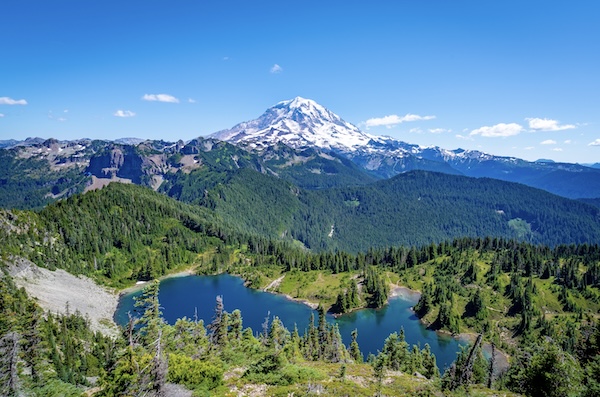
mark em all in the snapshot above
pixel 184 296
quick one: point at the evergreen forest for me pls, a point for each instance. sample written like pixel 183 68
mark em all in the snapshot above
pixel 535 303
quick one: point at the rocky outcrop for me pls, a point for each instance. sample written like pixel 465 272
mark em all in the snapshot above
pixel 117 161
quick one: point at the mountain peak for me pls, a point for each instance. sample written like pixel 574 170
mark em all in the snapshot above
pixel 299 102
pixel 297 122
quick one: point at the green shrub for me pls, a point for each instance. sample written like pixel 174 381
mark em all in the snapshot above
pixel 194 373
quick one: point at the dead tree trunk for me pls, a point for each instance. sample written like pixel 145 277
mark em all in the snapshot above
pixel 491 368
pixel 9 372
pixel 159 368
pixel 466 372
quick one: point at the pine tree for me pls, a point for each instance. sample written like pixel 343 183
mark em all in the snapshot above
pixel 219 326
pixel 425 301
pixel 395 349
pixel 150 321
pixel 379 370
pixel 355 353
pixel 293 348
pixel 33 347
pixel 278 335
pixel 337 351
pixel 429 363
pixel 236 325
pixel 322 332
pixel 341 303
pixel 352 299
pixel 151 336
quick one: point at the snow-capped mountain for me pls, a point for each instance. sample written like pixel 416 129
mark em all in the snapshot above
pixel 302 123
pixel 297 123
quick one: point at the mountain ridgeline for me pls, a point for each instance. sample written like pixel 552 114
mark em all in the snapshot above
pixel 298 141
pixel 300 123
pixel 301 173
pixel 322 200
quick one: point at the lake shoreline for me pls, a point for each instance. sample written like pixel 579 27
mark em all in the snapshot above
pixel 502 358
pixel 192 296
pixel 138 286
pixel 396 292
pixel 399 291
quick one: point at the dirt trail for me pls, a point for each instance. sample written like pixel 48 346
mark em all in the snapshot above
pixel 274 283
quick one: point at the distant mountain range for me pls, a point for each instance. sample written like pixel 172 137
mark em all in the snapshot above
pixel 307 144
pixel 300 123
pixel 300 172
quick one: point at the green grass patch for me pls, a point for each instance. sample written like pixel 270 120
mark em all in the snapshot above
pixel 315 286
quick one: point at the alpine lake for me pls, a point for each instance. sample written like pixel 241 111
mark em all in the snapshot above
pixel 195 297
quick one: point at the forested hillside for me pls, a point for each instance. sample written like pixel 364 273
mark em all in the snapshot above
pixel 411 209
pixel 122 232
pixel 27 183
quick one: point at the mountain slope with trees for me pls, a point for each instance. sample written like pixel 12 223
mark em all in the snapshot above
pixel 517 295
pixel 411 209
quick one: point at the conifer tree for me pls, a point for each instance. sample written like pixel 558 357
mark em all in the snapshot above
pixel 236 325
pixel 150 321
pixel 322 332
pixel 219 326
pixel 379 370
pixel 293 348
pixel 425 301
pixel 395 349
pixel 429 363
pixel 278 335
pixel 311 350
pixel 337 351
pixel 355 353
pixel 151 325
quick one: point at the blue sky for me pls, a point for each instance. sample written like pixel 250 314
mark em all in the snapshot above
pixel 516 78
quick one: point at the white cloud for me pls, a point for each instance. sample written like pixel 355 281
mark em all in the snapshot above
pixel 463 137
pixel 557 149
pixel 226 58
pixel 190 100
pixel 439 130
pixel 393 119
pixel 498 130
pixel 276 69
pixel 1 115
pixel 548 142
pixel 9 101
pixel 124 113
pixel 52 117
pixel 415 130
pixel 160 98
pixel 595 143
pixel 568 142
pixel 547 125
pixel 529 148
